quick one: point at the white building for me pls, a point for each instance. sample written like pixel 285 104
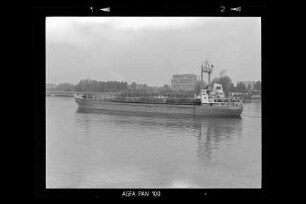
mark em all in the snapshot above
pixel 184 82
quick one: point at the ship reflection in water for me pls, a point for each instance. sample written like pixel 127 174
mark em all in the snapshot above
pixel 90 149
pixel 209 131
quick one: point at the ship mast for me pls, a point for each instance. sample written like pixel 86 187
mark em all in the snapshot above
pixel 207 68
pixel 201 73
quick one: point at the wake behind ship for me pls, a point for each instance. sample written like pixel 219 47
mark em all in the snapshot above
pixel 210 102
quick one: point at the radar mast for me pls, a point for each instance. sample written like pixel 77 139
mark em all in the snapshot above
pixel 207 68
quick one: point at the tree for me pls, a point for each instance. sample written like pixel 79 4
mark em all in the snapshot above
pixel 50 86
pixel 257 86
pixel 93 85
pixel 166 87
pixel 241 88
pixel 231 87
pixel 133 86
pixel 249 88
pixel 101 85
pixel 65 87
pixel 226 83
pixel 125 86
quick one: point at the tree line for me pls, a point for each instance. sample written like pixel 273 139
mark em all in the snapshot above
pixel 100 86
pixel 87 85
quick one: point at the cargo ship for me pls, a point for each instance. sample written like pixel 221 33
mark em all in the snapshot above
pixel 210 102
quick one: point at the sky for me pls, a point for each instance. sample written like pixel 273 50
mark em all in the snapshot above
pixel 149 50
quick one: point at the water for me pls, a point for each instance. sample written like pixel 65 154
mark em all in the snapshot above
pixel 103 150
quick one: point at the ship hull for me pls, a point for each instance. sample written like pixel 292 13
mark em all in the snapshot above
pixel 196 110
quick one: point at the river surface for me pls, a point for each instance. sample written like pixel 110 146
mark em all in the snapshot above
pixel 116 150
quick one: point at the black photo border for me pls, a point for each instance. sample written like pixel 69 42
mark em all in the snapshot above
pixel 92 8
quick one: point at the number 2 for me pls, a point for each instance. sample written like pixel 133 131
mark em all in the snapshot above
pixel 222 8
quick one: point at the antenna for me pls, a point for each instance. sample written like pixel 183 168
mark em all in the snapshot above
pixel 202 72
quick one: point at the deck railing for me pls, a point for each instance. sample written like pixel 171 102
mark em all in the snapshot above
pixel 223 104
